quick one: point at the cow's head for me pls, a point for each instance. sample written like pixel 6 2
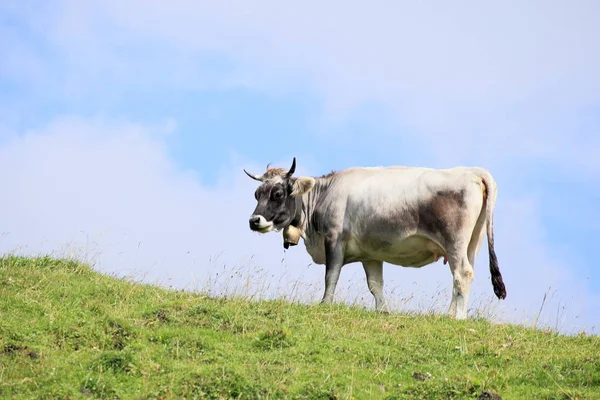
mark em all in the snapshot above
pixel 278 198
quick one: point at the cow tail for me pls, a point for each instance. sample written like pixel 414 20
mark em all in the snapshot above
pixel 490 195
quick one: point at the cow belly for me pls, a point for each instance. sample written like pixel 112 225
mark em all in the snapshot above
pixel 411 251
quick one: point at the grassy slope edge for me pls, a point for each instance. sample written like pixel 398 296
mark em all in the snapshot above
pixel 67 331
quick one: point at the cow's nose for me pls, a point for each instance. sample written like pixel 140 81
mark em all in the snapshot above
pixel 254 221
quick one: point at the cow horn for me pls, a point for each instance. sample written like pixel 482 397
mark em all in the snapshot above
pixel 255 177
pixel 293 169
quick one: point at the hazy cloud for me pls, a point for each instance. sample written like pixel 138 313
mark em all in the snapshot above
pixel 474 82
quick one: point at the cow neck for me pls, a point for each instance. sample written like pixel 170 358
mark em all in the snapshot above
pixel 309 203
pixel 305 205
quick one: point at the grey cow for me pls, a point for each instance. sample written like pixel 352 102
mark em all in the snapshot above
pixel 405 216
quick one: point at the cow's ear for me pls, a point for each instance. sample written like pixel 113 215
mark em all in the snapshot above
pixel 302 185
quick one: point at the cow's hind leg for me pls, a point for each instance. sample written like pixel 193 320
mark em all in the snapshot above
pixel 374 272
pixel 462 277
pixel 461 247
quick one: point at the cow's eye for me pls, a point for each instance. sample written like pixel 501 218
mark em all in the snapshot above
pixel 278 194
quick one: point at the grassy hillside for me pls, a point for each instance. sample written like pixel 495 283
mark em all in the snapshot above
pixel 69 332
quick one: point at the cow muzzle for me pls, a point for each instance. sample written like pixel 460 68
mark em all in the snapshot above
pixel 258 223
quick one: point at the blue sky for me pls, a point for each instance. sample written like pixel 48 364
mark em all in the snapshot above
pixel 134 119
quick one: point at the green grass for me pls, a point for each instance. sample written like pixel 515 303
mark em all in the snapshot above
pixel 67 331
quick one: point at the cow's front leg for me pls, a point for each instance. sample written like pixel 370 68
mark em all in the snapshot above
pixel 334 260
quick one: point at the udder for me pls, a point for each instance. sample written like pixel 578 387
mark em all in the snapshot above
pixel 436 250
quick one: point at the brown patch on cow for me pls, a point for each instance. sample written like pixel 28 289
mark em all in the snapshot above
pixel 381 227
pixel 441 215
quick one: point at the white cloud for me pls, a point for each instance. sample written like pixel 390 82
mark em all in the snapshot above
pixel 463 51
pixel 113 191
pixel 474 82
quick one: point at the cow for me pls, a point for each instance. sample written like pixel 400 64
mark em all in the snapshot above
pixel 406 216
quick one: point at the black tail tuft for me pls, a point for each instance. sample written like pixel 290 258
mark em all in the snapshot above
pixel 497 281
